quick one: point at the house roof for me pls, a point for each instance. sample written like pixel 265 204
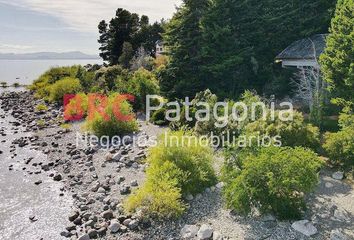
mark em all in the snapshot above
pixel 159 42
pixel 305 48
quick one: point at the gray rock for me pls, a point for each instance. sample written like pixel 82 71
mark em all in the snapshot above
pixel 341 215
pixel 189 197
pixel 107 214
pixel 133 224
pixel 116 157
pixel 73 216
pixel 124 190
pixel 305 227
pixel 217 236
pixel 189 231
pixel 92 233
pixel 220 185
pixel 337 235
pixel 114 226
pixel 84 237
pixel 205 232
pixel 134 183
pixel 338 175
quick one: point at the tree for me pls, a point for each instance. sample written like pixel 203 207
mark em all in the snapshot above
pixel 183 36
pixel 126 27
pixel 337 61
pixel 127 55
pixel 241 39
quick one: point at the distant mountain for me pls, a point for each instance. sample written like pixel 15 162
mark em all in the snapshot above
pixel 47 56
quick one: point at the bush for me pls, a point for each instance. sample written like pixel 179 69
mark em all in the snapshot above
pixel 3 84
pixel 273 180
pixel 65 86
pixel 140 84
pixel 339 146
pixel 179 168
pixel 112 126
pixel 77 107
pixel 106 78
pixel 41 107
pixel 293 133
pixel 159 117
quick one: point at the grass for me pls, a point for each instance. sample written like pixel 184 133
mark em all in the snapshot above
pixel 41 107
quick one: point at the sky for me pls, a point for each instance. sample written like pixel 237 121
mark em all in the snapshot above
pixel 66 25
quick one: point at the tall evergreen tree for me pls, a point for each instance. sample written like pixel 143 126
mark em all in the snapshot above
pixel 337 62
pixel 126 27
pixel 183 76
pixel 242 37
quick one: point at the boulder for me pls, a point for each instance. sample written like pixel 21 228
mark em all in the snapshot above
pixel 189 231
pixel 205 232
pixel 305 227
pixel 337 235
pixel 338 175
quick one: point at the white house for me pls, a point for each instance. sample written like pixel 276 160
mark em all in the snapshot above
pixel 159 48
pixel 304 52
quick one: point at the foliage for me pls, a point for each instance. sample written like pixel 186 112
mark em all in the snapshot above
pixel 43 85
pixel 183 37
pixel 140 84
pixel 64 86
pixel 142 60
pixel 127 27
pixel 3 84
pixel 78 106
pixel 179 163
pixel 340 145
pixel 229 47
pixel 41 107
pixel 107 77
pixel 113 126
pixel 16 85
pixel 293 132
pixel 159 196
pixel 127 55
pixel 273 180
pixel 159 117
pixel 337 60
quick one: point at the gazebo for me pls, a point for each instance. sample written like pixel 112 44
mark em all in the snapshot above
pixel 304 52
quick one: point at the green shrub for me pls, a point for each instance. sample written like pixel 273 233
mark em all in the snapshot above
pixel 180 168
pixel 106 78
pixel 16 85
pixel 159 117
pixel 140 84
pixel 293 132
pixel 113 126
pixel 272 180
pixel 41 107
pixel 340 145
pixel 3 84
pixel 159 196
pixel 65 86
pixel 76 104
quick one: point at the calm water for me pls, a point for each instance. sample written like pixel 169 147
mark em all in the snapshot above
pixel 25 71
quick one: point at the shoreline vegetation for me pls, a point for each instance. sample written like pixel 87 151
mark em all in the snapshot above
pixel 302 188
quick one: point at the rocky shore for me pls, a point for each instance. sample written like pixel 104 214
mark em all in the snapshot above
pixel 96 180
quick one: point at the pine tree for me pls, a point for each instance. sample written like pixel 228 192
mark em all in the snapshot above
pixel 126 27
pixel 242 37
pixel 337 62
pixel 183 76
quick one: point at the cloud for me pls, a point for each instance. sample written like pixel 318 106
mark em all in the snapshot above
pixel 13 47
pixel 84 15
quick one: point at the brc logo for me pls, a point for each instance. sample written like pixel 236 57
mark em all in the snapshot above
pixel 75 107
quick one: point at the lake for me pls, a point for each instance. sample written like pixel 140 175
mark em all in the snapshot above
pixel 25 71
